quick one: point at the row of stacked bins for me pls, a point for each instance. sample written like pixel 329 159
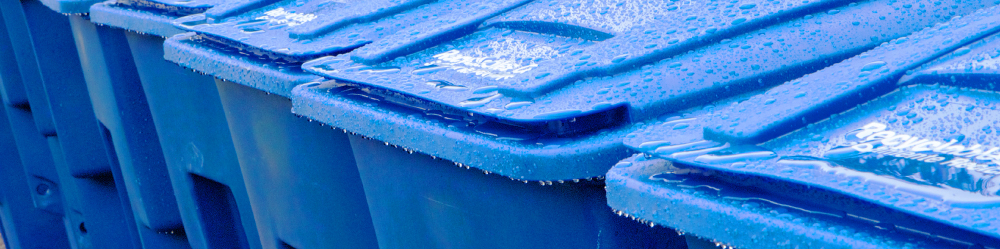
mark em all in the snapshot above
pixel 58 176
pixel 470 124
pixel 120 154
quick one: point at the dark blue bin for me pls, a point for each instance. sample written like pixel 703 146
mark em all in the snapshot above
pixel 301 177
pixel 22 223
pixel 893 148
pixel 121 110
pixel 68 167
pixel 120 106
pixel 545 93
pixel 190 124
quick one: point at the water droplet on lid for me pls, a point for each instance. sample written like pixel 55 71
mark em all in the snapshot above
pixel 619 58
pixel 444 85
pixel 427 70
pixel 486 89
pixel 379 70
pixel 872 66
pixel 515 105
pixel 961 51
pixel 477 102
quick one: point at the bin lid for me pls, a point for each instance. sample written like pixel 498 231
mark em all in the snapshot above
pixel 291 32
pixel 70 7
pixel 148 16
pixel 738 215
pixel 578 70
pixel 908 125
pixel 182 7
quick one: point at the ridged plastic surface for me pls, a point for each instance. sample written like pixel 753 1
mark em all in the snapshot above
pixel 280 35
pixel 906 128
pixel 740 216
pixel 191 126
pixel 596 88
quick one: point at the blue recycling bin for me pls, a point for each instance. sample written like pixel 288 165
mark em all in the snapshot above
pixel 123 118
pixel 893 148
pixel 190 124
pixel 301 177
pixel 545 94
pixel 66 163
pixel 120 106
pixel 22 223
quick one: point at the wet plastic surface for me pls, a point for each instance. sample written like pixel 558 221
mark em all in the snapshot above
pixel 740 215
pixel 71 176
pixel 137 164
pixel 546 92
pixel 70 7
pixel 237 42
pixel 539 91
pixel 301 177
pixel 927 173
pixel 24 225
pixel 489 114
pixel 190 124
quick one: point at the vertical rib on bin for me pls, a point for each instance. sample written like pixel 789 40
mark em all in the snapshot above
pixel 116 95
pixel 82 179
pixel 120 106
pixel 190 124
pixel 24 225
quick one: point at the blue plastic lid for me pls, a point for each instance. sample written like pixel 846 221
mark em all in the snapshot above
pixel 908 126
pixel 175 7
pixel 586 72
pixel 148 16
pixel 287 33
pixel 695 202
pixel 70 7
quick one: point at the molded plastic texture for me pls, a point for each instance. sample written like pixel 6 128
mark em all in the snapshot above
pixel 30 206
pixel 191 51
pixel 27 62
pixel 171 7
pixel 70 7
pixel 24 225
pixel 907 126
pixel 191 126
pixel 77 182
pixel 739 215
pixel 584 82
pixel 147 17
pixel 120 106
pixel 558 60
pixel 301 177
pixel 198 148
pixel 283 34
